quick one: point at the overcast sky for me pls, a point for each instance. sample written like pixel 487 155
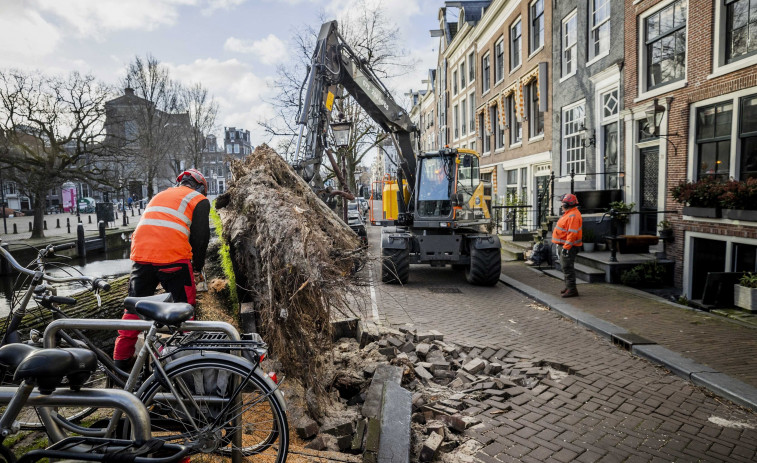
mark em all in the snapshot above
pixel 231 46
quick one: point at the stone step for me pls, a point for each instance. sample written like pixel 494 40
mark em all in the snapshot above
pixel 512 252
pixel 586 273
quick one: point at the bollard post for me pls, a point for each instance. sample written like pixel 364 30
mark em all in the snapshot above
pixel 81 247
pixel 57 223
pixel 90 219
pixel 30 226
pixel 68 224
pixel 44 224
pixel 125 218
pixel 15 230
pixel 5 266
pixel 132 212
pixel 101 229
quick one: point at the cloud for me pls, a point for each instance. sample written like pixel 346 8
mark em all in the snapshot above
pixel 214 5
pixel 25 34
pixel 95 18
pixel 269 50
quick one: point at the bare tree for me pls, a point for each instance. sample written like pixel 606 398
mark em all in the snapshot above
pixel 158 137
pixel 202 109
pixel 368 31
pixel 51 131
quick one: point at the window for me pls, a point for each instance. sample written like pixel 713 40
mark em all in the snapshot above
pixel 537 25
pixel 535 117
pixel 462 76
pixel 741 29
pixel 454 82
pixel 748 138
pixel 456 120
pixel 499 133
pixel 485 76
pixel 499 61
pixel 665 45
pixel 515 39
pixel 463 118
pixel 607 145
pixel 229 149
pixel 516 128
pixel 236 148
pixel 472 102
pixel 511 177
pixel 472 66
pixel 485 138
pixel 713 148
pixel 599 34
pixel 573 151
pixel 569 37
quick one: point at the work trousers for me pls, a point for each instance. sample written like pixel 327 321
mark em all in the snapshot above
pixel 568 265
pixel 176 278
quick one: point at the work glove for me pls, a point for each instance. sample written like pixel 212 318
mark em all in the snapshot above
pixel 565 252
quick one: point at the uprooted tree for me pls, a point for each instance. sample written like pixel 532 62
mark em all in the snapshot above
pixel 294 259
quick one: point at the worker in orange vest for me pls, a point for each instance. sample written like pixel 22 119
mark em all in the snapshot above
pixel 168 248
pixel 567 238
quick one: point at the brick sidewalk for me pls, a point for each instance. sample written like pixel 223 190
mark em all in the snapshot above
pixel 711 340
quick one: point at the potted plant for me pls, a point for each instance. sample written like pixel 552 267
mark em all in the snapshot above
pixel 700 198
pixel 665 230
pixel 745 293
pixel 739 200
pixel 588 240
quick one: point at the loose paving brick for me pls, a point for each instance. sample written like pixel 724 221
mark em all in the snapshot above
pixel 632 410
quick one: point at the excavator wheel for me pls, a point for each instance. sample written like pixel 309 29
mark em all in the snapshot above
pixel 395 266
pixel 485 267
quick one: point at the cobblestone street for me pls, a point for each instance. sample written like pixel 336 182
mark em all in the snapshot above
pixel 610 406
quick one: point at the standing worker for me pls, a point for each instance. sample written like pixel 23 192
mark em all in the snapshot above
pixel 567 236
pixel 167 247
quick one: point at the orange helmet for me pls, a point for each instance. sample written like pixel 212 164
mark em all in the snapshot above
pixel 569 199
pixel 196 175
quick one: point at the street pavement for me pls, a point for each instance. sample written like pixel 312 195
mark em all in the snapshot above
pixel 598 403
pixel 55 233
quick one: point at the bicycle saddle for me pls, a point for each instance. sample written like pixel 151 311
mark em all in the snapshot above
pixel 12 355
pixel 165 313
pixel 131 302
pixel 46 368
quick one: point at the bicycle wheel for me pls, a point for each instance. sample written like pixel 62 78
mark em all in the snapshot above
pixel 210 416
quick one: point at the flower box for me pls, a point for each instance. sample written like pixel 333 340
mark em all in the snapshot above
pixel 744 297
pixel 706 212
pixel 740 214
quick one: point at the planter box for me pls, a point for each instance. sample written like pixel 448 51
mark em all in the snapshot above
pixel 739 214
pixel 706 212
pixel 588 247
pixel 744 297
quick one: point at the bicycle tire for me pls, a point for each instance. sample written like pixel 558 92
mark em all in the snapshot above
pixel 262 417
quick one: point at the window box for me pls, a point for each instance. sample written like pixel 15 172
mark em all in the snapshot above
pixel 740 214
pixel 706 212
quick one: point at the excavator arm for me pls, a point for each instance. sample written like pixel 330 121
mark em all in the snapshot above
pixel 335 66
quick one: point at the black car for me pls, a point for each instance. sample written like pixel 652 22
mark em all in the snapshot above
pixel 355 221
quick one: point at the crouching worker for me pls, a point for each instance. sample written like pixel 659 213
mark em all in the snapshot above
pixel 168 247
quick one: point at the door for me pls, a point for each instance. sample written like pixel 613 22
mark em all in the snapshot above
pixel 708 256
pixel 648 181
pixel 542 199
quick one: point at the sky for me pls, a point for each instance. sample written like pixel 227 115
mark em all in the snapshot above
pixel 232 47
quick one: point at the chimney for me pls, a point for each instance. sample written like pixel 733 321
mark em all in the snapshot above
pixel 129 91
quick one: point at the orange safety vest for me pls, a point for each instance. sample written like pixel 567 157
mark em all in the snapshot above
pixel 162 234
pixel 568 230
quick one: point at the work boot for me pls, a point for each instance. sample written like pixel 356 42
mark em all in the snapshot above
pixel 570 293
pixel 563 291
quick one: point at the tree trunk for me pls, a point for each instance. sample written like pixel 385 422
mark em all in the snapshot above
pixel 39 214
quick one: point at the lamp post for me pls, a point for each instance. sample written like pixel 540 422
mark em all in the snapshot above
pixel 341 130
pixel 2 201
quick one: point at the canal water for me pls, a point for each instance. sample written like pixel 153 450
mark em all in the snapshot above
pixel 107 265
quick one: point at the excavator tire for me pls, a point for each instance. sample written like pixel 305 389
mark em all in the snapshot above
pixel 395 266
pixel 485 267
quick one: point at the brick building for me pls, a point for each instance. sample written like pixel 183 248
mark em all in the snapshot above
pixel 694 59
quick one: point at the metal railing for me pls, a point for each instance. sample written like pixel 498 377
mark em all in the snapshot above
pixel 516 220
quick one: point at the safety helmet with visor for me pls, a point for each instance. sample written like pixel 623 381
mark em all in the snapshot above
pixel 569 200
pixel 195 179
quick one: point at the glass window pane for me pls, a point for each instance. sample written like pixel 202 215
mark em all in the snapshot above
pixel 752 42
pixel 680 13
pixel 707 158
pixel 723 120
pixel 666 19
pixel 749 114
pixel 723 162
pixel 706 123
pixel 748 161
pixel 738 13
pixel 653 26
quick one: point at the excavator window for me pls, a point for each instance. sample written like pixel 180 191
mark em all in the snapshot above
pixel 435 187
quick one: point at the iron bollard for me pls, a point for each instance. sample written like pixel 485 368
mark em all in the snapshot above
pixel 101 229
pixel 68 224
pixel 81 247
pixel 30 226
pixel 132 212
pixel 44 224
pixel 90 219
pixel 15 230
pixel 57 223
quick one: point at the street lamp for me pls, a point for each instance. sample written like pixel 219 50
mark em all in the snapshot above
pixel 654 113
pixel 341 130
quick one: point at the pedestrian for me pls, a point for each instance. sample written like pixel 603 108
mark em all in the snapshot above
pixel 567 237
pixel 168 247
pixel 129 201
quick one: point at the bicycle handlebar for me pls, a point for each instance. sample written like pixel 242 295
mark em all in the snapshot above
pixel 96 283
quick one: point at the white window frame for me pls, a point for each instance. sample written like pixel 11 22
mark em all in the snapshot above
pixel 471 66
pixel 497 129
pixel 719 66
pixel 603 121
pixel 488 78
pixel 455 83
pixel 531 48
pixel 484 137
pixel 229 149
pixel 499 45
pixel 512 118
pixel 643 59
pixel 564 47
pixel 512 65
pixel 735 98
pixel 688 253
pixel 463 117
pixel 563 145
pixel 456 121
pixel 463 80
pixel 594 27
pixel 533 109
pixel 472 109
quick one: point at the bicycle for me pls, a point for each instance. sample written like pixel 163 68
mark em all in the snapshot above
pixel 50 370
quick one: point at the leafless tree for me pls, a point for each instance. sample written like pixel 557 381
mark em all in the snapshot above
pixel 368 31
pixel 51 131
pixel 202 109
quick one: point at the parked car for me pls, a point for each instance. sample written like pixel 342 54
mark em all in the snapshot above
pixel 355 221
pixel 8 212
pixel 87 205
pixel 364 206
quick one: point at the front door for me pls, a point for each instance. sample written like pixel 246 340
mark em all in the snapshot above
pixel 648 181
pixel 542 199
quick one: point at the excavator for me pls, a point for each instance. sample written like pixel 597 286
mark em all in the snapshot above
pixel 435 211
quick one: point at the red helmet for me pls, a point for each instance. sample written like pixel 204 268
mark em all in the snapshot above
pixel 195 175
pixel 569 199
